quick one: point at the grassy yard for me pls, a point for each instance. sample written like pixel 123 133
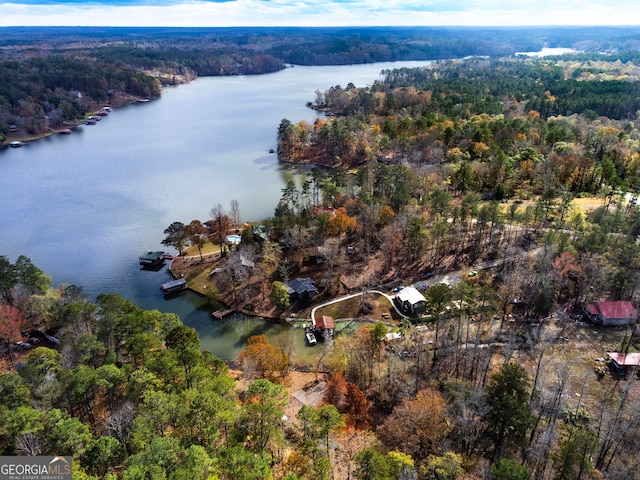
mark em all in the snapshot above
pixel 381 308
pixel 207 249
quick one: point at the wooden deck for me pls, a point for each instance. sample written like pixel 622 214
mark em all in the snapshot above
pixel 223 312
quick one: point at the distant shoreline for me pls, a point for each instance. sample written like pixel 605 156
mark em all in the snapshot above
pixel 18 137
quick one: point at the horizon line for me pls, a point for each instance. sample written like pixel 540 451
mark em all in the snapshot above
pixel 613 25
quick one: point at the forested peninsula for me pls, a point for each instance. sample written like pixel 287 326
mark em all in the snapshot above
pixel 503 190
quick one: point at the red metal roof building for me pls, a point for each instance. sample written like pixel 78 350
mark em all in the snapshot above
pixel 325 322
pixel 625 359
pixel 612 313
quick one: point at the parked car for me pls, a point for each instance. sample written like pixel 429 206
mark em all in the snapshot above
pixel 397 289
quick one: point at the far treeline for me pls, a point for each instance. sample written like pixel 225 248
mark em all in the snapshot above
pixel 52 77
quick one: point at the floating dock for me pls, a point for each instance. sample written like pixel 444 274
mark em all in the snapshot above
pixel 151 259
pixel 173 286
pixel 221 313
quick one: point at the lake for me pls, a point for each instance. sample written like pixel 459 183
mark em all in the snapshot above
pixel 84 206
pixel 548 52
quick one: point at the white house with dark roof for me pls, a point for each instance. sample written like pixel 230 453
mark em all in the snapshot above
pixel 410 300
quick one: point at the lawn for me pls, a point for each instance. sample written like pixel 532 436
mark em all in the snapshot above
pixel 380 308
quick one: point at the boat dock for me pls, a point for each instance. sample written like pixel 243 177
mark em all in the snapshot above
pixel 151 259
pixel 173 286
pixel 221 313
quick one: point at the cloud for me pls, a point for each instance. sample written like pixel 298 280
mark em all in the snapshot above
pixel 202 13
pixel 89 3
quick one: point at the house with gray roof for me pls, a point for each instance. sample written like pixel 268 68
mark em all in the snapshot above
pixel 301 289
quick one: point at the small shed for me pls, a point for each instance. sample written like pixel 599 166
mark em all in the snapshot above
pixel 393 336
pixel 611 313
pixel 325 326
pixel 410 300
pixel 623 363
pixel 624 360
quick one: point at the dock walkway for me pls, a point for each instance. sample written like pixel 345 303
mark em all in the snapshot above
pixel 223 312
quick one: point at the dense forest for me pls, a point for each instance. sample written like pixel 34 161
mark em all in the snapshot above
pixel 524 170
pixel 50 78
pixel 449 153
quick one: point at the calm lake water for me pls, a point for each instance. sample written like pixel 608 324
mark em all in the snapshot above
pixel 84 206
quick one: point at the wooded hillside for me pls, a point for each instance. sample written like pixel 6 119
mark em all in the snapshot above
pixel 54 76
pixel 517 176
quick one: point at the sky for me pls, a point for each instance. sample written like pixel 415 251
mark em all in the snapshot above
pixel 228 13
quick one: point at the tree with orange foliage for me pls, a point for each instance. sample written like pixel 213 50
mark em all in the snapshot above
pixel 384 216
pixel 349 400
pixel 263 360
pixel 571 275
pixel 357 408
pixel 336 391
pixel 418 426
pixel 220 223
pixel 341 222
pixel 11 322
pixel 196 234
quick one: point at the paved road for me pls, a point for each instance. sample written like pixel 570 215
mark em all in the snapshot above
pixel 353 295
pixel 451 278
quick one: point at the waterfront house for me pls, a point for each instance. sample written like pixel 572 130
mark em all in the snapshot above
pixel 410 300
pixel 301 289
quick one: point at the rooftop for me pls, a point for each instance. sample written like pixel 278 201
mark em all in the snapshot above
pixel 325 322
pixel 174 283
pixel 625 359
pixel 411 295
pixel 151 255
pixel 614 309
pixel 301 286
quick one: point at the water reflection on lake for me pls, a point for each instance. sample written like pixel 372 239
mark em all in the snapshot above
pixel 227 337
pixel 84 206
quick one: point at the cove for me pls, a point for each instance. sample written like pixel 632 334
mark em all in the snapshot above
pixel 84 206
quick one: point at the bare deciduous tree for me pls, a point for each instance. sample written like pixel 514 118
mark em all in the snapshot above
pixel 235 214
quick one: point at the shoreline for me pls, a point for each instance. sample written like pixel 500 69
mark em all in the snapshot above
pixel 32 138
pixel 197 272
pixel 24 139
